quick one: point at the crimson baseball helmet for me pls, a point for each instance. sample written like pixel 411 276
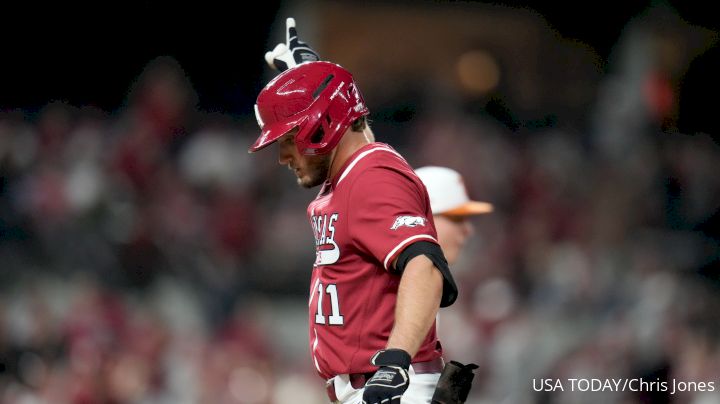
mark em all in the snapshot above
pixel 319 98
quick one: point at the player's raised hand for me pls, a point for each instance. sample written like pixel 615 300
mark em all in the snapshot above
pixel 292 52
pixel 391 380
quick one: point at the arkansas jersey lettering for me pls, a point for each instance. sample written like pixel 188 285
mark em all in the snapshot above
pixel 409 221
pixel 326 249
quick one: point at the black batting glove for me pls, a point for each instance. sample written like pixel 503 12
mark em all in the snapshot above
pixel 391 380
pixel 292 52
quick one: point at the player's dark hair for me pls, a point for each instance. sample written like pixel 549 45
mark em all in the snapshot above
pixel 359 124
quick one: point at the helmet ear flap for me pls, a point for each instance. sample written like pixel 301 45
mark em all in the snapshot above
pixel 318 136
pixel 318 139
pixel 325 127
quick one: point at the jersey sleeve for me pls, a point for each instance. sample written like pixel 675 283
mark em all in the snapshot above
pixel 388 212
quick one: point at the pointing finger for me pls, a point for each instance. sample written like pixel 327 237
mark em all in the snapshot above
pixel 291 32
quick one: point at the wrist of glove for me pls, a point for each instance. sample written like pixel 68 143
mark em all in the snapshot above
pixel 292 52
pixel 391 380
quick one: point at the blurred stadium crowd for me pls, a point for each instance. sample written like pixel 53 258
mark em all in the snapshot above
pixel 145 257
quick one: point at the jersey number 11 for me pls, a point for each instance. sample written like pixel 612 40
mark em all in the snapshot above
pixel 335 318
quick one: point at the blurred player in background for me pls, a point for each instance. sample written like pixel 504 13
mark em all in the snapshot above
pixel 451 208
pixel 380 275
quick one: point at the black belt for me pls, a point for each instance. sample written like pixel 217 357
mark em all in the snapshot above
pixel 358 380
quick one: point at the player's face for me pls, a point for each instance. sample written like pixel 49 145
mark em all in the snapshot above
pixel 309 170
pixel 453 232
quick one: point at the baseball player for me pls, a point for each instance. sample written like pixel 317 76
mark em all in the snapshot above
pixel 379 275
pixel 451 208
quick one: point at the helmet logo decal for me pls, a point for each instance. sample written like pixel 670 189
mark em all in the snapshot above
pixel 337 91
pixel 281 90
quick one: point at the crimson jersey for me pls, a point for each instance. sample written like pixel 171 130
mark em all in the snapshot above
pixel 362 220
